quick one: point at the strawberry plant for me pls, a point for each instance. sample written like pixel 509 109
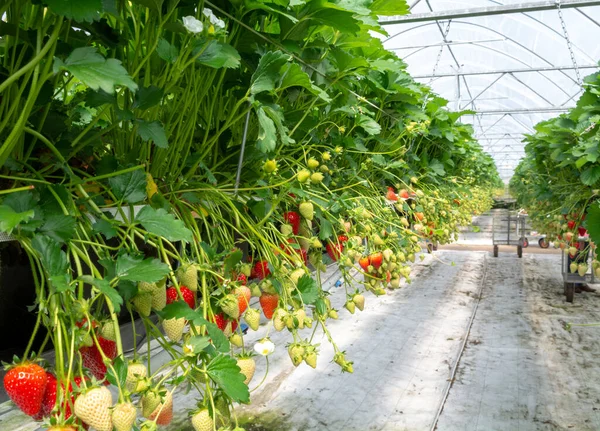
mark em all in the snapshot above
pixel 164 162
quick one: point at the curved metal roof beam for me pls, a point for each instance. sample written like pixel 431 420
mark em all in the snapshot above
pixel 503 53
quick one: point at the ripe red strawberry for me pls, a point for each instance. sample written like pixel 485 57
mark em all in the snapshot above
pixel 268 302
pixel 293 218
pixel 334 250
pixel 50 397
pixel 221 321
pixel 571 224
pixel 243 294
pixel 364 263
pixel 404 194
pixel 391 194
pixel 261 269
pixel 25 384
pixel 376 259
pixel 188 296
pixel 419 216
pixel 92 358
pixel 582 231
pixel 242 279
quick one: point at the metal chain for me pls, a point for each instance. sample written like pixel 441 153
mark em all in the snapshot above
pixel 569 45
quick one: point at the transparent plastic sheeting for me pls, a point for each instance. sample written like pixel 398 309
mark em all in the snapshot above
pixel 505 43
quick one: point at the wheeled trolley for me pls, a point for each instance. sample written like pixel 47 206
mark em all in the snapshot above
pixel 570 279
pixel 508 229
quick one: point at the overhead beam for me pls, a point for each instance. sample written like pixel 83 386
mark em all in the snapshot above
pixel 505 71
pixel 488 11
pixel 523 111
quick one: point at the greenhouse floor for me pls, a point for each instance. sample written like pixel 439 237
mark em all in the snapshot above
pixel 520 369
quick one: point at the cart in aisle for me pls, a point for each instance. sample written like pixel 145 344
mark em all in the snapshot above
pixel 528 235
pixel 570 279
pixel 508 229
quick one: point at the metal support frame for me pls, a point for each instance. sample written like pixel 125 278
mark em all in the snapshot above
pixel 507 71
pixel 450 42
pixel 488 11
pixel 524 111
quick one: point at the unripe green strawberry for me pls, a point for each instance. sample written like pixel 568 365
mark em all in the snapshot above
pixel 136 374
pixel 316 178
pixel 573 267
pixel 174 328
pixel 201 421
pixel 350 306
pixel 279 319
pixel 307 210
pixel 123 416
pixel 582 269
pixel 229 305
pixel 142 301
pixel 359 300
pixel 387 254
pixel 411 257
pixel 247 367
pixel 316 243
pixel 296 274
pixel 236 340
pixel 296 352
pixel 395 283
pixel 270 166
pixel 252 318
pixel 286 229
pixel 303 175
pixel 311 359
pixel 159 297
pixel 312 163
pixel 300 316
pixel 108 331
pixel 187 275
pixel 93 408
pixel 163 414
pixel 333 314
pixel 255 290
pixel 246 269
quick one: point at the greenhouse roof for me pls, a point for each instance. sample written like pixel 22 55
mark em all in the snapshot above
pixel 514 63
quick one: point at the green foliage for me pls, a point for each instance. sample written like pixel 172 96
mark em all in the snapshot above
pixel 224 371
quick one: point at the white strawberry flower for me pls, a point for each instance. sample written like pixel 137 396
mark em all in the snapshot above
pixel 192 24
pixel 214 20
pixel 264 347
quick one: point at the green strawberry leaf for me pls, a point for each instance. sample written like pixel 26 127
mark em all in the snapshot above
pixel 267 73
pixel 308 290
pixel 147 97
pixel 210 252
pixel 152 131
pixel 104 287
pixel 21 201
pixel 369 125
pixel 105 228
pixel 217 55
pixel 59 227
pixel 95 71
pixel 590 176
pixel 592 222
pixel 166 51
pixel 129 187
pixel 77 10
pixel 161 223
pixel 223 370
pixel 325 228
pixel 127 289
pixel 117 374
pixel 232 260
pixel 135 269
pixel 198 343
pixel 267 134
pixel 53 258
pixel 9 219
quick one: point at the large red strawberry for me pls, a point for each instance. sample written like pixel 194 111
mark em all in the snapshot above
pixel 391 194
pixel 364 263
pixel 334 250
pixel 293 218
pixel 242 279
pixel 92 358
pixel 571 224
pixel 188 296
pixel 404 194
pixel 50 397
pixel 268 302
pixel 25 385
pixel 243 295
pixel 260 270
pixel 221 321
pixel 376 259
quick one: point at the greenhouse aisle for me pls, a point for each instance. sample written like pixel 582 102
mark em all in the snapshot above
pixel 520 370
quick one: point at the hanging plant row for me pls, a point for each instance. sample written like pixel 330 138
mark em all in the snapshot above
pixel 166 161
pixel 558 181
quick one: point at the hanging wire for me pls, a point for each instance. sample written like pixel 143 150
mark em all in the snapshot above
pixel 568 40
